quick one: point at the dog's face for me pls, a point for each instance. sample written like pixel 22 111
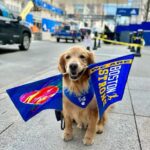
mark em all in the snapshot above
pixel 74 61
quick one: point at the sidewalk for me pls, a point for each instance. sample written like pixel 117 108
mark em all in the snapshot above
pixel 128 126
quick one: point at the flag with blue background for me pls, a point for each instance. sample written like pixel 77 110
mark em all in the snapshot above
pixel 109 79
pixel 32 98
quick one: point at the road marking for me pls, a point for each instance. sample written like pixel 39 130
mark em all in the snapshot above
pixel 3 112
pixel 6 128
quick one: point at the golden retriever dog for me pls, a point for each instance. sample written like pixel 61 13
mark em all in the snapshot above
pixel 73 64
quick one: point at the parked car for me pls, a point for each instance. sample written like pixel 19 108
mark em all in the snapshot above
pixel 67 33
pixel 12 30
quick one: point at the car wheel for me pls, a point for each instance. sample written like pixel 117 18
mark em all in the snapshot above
pixel 79 40
pixel 58 39
pixel 25 43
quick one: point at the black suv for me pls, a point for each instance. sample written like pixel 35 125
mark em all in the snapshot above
pixel 12 30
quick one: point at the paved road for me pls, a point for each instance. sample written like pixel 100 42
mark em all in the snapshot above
pixel 128 126
pixel 16 65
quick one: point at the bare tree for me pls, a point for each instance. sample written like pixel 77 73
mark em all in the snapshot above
pixel 147 10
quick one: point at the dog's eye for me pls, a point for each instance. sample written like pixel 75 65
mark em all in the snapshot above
pixel 68 57
pixel 82 56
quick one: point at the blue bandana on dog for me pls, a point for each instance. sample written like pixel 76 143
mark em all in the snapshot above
pixel 83 100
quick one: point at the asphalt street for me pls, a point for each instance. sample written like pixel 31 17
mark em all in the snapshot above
pixel 17 65
pixel 128 126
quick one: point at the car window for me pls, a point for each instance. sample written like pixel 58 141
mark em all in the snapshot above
pixel 5 12
pixel 8 14
pixel 66 27
pixel 11 16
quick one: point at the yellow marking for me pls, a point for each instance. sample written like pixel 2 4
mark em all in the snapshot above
pixel 120 43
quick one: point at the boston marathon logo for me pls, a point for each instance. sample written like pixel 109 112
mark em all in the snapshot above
pixel 107 77
pixel 108 80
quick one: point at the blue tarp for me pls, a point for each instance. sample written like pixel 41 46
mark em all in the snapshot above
pixel 121 28
pixel 146 36
pixel 146 25
pixel 49 25
pixel 134 27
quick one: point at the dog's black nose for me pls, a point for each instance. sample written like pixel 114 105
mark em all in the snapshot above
pixel 73 66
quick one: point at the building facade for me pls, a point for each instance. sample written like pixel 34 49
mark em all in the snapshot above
pixel 14 5
pixel 36 15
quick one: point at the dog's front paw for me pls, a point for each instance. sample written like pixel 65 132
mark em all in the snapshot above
pixel 88 141
pixel 99 129
pixel 67 137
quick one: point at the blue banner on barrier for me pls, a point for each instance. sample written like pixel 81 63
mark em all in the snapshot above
pixel 127 11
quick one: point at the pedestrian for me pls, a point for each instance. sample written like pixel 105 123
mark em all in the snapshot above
pixel 134 37
pixel 130 39
pixel 139 40
pixel 88 40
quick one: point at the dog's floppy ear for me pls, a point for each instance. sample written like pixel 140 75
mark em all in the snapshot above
pixel 90 58
pixel 61 64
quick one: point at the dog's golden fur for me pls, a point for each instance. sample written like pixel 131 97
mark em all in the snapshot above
pixel 87 117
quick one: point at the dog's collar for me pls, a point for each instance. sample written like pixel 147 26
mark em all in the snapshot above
pixel 83 100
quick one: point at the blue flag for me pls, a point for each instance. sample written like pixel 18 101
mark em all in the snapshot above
pixel 109 79
pixel 34 97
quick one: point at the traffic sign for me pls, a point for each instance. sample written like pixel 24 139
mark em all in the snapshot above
pixel 127 11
